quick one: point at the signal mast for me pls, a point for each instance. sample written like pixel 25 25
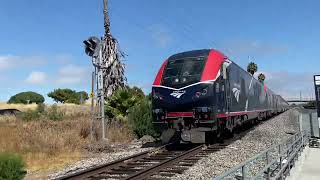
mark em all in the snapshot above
pixel 108 73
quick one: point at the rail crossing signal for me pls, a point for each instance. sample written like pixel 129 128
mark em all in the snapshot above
pixel 93 48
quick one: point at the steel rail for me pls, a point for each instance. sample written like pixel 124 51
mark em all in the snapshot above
pixel 156 168
pixel 101 168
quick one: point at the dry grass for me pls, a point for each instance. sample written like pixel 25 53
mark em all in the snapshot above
pixel 7 118
pixel 21 107
pixel 44 144
pixel 119 133
pixel 73 110
pixel 49 145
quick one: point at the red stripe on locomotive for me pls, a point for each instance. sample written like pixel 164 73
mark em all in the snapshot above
pixel 213 65
pixel 157 81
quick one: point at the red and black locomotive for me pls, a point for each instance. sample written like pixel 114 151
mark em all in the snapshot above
pixel 202 94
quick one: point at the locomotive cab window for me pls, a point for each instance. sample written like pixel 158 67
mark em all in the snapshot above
pixel 182 72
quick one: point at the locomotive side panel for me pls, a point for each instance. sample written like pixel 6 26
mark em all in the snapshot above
pixel 247 94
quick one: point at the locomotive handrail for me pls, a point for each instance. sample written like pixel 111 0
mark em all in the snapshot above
pixel 274 166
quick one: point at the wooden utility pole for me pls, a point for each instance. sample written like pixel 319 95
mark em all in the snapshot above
pixel 106 18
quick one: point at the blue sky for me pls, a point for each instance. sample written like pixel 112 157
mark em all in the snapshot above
pixel 41 41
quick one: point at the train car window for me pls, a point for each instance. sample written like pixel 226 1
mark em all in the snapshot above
pixel 217 87
pixel 182 72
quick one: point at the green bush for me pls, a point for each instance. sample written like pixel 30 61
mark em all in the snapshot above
pixel 11 167
pixel 30 115
pixel 26 98
pixel 54 113
pixel 140 119
pixel 122 100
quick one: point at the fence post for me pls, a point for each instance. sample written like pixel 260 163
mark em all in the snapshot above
pixel 244 172
pixel 267 159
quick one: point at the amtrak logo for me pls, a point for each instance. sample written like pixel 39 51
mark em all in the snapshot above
pixel 236 93
pixel 177 94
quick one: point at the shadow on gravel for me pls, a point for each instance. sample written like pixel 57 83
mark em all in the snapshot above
pixel 152 144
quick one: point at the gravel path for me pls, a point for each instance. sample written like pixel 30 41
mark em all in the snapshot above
pixel 262 137
pixel 100 159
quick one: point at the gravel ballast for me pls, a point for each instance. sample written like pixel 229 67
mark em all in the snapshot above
pixel 262 137
pixel 100 159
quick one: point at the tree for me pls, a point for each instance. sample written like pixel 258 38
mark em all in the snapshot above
pixel 78 97
pixel 113 74
pixel 252 68
pixel 26 98
pixel 68 96
pixel 61 95
pixel 122 100
pixel 83 96
pixel 261 77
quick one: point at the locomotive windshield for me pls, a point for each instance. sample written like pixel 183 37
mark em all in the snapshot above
pixel 182 72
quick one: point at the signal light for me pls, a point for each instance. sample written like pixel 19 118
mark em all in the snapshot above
pixel 91 46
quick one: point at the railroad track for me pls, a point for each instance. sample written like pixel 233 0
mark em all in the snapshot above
pixel 161 163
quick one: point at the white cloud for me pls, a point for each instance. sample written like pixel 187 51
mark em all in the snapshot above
pixel 10 62
pixel 160 34
pixel 6 61
pixel 72 74
pixel 36 78
pixel 289 85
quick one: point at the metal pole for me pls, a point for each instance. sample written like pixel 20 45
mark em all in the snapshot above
pixel 101 93
pixel 311 124
pixel 92 106
pixel 300 96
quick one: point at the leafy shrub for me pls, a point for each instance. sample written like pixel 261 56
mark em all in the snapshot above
pixel 68 96
pixel 11 167
pixel 122 100
pixel 54 113
pixel 26 98
pixel 29 115
pixel 140 119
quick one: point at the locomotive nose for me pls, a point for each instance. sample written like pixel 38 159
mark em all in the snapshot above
pixel 185 100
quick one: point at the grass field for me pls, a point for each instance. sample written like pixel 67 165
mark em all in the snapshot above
pixel 21 107
pixel 49 145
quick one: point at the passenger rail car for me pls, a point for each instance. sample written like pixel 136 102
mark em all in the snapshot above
pixel 203 95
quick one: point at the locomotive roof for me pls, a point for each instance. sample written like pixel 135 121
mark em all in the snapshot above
pixel 194 53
